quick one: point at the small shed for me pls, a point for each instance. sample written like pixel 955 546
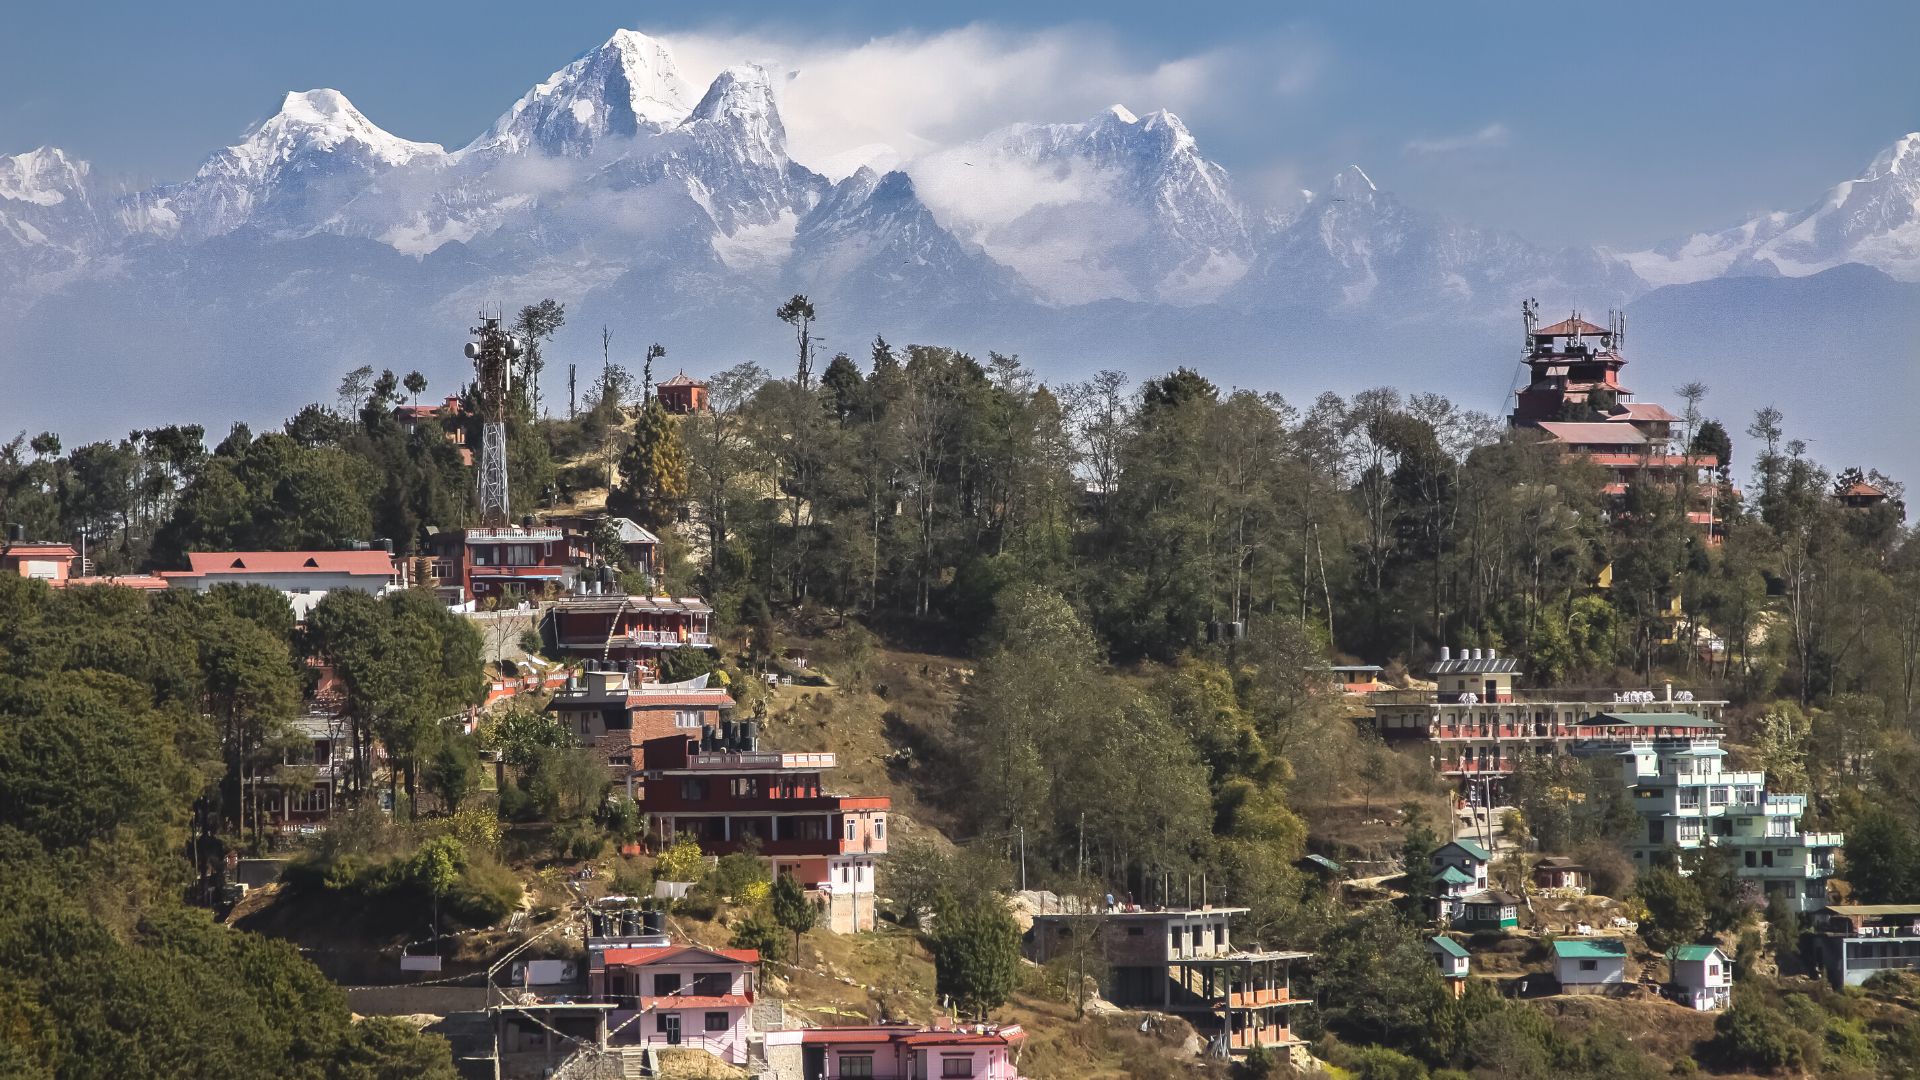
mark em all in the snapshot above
pixel 1589 963
pixel 1702 976
pixel 1489 910
pixel 1453 960
pixel 1320 866
pixel 1560 875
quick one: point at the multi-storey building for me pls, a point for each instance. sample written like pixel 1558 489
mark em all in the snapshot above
pixel 1183 961
pixel 616 714
pixel 1478 725
pixel 719 788
pixel 1689 800
pixel 620 629
pixel 677 995
pixel 1574 397
pixel 1859 941
pixel 502 565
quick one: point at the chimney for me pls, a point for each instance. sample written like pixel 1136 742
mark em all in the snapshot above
pixel 1446 652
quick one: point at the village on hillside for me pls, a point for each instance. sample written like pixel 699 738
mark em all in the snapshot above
pixel 912 719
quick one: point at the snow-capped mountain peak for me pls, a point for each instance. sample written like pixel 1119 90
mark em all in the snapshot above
pixel 322 120
pixel 628 86
pixel 1872 219
pixel 44 177
pixel 1122 113
pixel 1352 180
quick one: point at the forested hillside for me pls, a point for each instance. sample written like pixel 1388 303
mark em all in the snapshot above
pixel 1141 589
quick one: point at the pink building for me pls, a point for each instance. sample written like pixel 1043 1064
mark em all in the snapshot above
pixel 46 562
pixel 969 1052
pixel 677 995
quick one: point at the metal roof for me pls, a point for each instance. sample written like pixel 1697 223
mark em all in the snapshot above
pixel 1453 876
pixel 1692 952
pixel 1497 665
pixel 1655 719
pixel 1467 846
pixel 1447 945
pixel 1596 949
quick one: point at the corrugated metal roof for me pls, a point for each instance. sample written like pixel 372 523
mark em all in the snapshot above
pixel 1692 952
pixel 1594 433
pixel 1467 846
pixel 1596 949
pixel 1449 946
pixel 1499 665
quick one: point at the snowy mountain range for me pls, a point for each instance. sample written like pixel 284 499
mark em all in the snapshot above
pixel 321 241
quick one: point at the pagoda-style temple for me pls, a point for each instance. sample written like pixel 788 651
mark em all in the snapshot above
pixel 1575 398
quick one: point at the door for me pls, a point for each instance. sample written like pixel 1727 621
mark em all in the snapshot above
pixel 670 1026
pixel 813 1062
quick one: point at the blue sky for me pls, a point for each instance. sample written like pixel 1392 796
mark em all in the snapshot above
pixel 1620 124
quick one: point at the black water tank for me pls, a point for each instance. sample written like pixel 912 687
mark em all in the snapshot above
pixel 654 921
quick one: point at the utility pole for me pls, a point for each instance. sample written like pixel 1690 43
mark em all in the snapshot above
pixel 1080 868
pixel 570 399
pixel 1023 857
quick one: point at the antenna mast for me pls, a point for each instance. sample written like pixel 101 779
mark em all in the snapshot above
pixel 493 352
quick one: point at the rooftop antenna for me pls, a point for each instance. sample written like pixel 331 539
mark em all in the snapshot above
pixel 493 352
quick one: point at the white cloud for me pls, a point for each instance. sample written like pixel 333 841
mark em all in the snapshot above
pixel 1495 134
pixel 919 93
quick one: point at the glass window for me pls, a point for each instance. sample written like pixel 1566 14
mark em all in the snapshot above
pixel 717 1021
pixel 956 1066
pixel 666 984
pixel 856 1065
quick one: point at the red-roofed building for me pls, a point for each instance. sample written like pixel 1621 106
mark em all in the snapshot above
pixel 896 1052
pixel 677 995
pixel 682 395
pixel 1576 399
pixel 304 577
pixel 719 788
pixel 44 562
pixel 502 566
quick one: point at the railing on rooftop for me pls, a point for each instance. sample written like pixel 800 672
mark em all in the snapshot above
pixel 1598 695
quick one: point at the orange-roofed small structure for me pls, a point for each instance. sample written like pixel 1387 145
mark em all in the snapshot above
pixel 682 395
pixel 41 561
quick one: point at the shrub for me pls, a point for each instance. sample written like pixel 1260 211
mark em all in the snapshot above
pixel 1380 1063
pixel 758 931
pixel 1752 1035
pixel 737 872
pixel 485 893
pixel 682 861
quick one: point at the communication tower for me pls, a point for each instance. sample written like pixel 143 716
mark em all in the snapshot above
pixel 492 351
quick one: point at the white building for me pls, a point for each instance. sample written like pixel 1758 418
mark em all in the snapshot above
pixel 1702 976
pixel 1688 800
pixel 1589 963
pixel 303 577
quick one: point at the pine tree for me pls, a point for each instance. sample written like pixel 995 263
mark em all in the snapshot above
pixel 653 471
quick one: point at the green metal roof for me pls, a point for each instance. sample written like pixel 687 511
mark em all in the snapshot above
pixel 1324 863
pixel 1656 719
pixel 1449 946
pixel 1469 847
pixel 1691 952
pixel 1596 949
pixel 1452 876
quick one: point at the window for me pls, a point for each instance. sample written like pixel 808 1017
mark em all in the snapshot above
pixel 1589 965
pixel 717 1021
pixel 586 723
pixel 880 828
pixel 666 984
pixel 686 718
pixel 956 1066
pixel 1134 931
pixel 746 787
pixel 693 789
pixel 712 983
pixel 856 1065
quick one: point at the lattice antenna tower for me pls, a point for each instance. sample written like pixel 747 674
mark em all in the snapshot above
pixel 493 352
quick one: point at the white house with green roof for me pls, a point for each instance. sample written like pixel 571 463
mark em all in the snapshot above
pixel 1702 976
pixel 1456 871
pixel 1688 799
pixel 1453 960
pixel 1581 963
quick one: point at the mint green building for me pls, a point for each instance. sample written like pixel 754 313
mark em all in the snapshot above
pixel 1688 799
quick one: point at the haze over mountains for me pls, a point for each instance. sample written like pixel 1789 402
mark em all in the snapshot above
pixel 672 214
